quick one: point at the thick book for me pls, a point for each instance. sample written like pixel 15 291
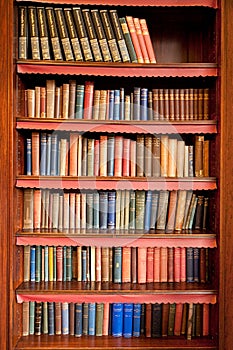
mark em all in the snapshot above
pixel 127 320
pixel 54 36
pixel 92 35
pixel 117 319
pixel 73 34
pixel 23 32
pixel 147 39
pixel 110 36
pixel 142 265
pixel 156 320
pixel 101 35
pixel 141 40
pixel 82 34
pixel 134 37
pixel 119 35
pixel 43 33
pixel 128 40
pixel 34 33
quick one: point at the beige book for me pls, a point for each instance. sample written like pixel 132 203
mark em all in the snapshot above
pixel 164 155
pixel 50 98
pixel 180 211
pixel 180 159
pixel 172 157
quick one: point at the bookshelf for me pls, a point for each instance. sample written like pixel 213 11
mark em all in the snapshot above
pixel 181 70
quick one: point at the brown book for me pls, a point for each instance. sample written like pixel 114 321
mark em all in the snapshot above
pixel 34 32
pixel 37 209
pixel 37 101
pixel 101 35
pixel 105 264
pixel 171 102
pixel 190 321
pixel 198 320
pixel 50 98
pixel 186 104
pixel 43 99
pixel 119 35
pixel 63 33
pixel 103 104
pixel 206 320
pixel 191 107
pixel 166 105
pixel 134 265
pixel 150 265
pixel 157 262
pixel 200 104
pixel 35 153
pixel 148 155
pixel 38 318
pixel 72 96
pixel 142 263
pixel 171 319
pixel 180 212
pixel 30 98
pixel 170 264
pixel 171 211
pixel 162 209
pixel 23 32
pixel 206 104
pixel 43 33
pixel 206 204
pixel 92 35
pixel 54 36
pixel 163 264
pixel 199 212
pixel 177 104
pixel 148 318
pixel 110 36
pixel 140 155
pixel 161 104
pixel 88 99
pixel 206 152
pixel 199 145
pixel 26 263
pixel 184 319
pixel 181 106
pixel 155 102
pixel 172 157
pixel 165 314
pixel 156 145
pixel 71 318
pixel 195 104
pixel 178 319
pixel 73 34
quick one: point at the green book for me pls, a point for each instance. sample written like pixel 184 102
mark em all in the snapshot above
pixel 128 40
pixel 140 209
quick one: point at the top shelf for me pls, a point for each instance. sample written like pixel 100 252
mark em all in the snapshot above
pixel 162 3
pixel 118 69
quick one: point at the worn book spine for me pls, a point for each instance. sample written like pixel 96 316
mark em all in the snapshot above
pixel 88 99
pixel 43 31
pixel 54 36
pixel 128 40
pixel 119 35
pixel 110 36
pixel 92 35
pixel 23 32
pixel 34 33
pixel 199 143
pixel 156 320
pixel 136 319
pixel 64 36
pixel 147 39
pixel 134 37
pixel 101 35
pixel 141 40
pixel 75 43
pixel 82 34
pixel 99 319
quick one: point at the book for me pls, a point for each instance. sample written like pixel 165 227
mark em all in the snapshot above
pixel 118 155
pixel 92 35
pixel 75 43
pixel 171 319
pixel 23 32
pixel 142 264
pixel 134 37
pixel 141 40
pixel 162 209
pixel 43 33
pixel 54 36
pixel 128 320
pixel 65 318
pixel 147 40
pixel 156 320
pixel 137 311
pixel 88 99
pixel 119 35
pixel 104 15
pixel 117 319
pixel 82 33
pixel 99 319
pixel 34 33
pixel 101 35
pixel 128 40
pixel 139 209
pixel 199 143
pixel 91 318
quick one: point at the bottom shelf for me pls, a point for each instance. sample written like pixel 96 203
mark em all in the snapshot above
pixel 99 343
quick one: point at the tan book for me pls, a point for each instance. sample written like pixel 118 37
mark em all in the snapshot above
pixel 126 264
pixel 164 155
pixel 26 263
pixel 162 209
pixel 35 153
pixel 31 102
pixel 172 157
pixel 105 264
pixel 181 203
pixel 156 157
pixel 103 105
pixel 199 145
pixel 73 168
pixel 148 155
pixel 96 105
pixel 25 318
pixel 72 96
pixel 206 151
pixel 171 215
pixel 140 155
pixel 65 100
pixel 50 98
pixel 180 159
pixel 37 102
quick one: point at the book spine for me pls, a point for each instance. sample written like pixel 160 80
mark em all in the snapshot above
pixel 65 318
pixel 110 36
pixel 73 34
pixel 23 32
pixel 99 319
pixel 101 35
pixel 156 320
pixel 132 30
pixel 117 319
pixel 117 265
pixel 119 35
pixel 92 35
pixel 141 40
pixel 111 219
pixel 82 33
pixel 137 311
pixel 43 30
pixel 91 318
pixel 34 33
pixel 147 39
pixel 78 320
pixel 128 40
pixel 127 320
pixel 57 53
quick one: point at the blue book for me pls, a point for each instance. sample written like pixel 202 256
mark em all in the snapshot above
pixel 46 263
pixel 31 317
pixel 64 264
pixel 79 102
pixel 29 156
pixel 51 324
pixel 38 263
pixel 110 155
pixel 117 265
pixel 78 320
pixel 136 319
pixel 189 265
pixel 91 318
pixel 136 103
pixel 144 104
pixel 68 263
pixel 116 112
pixel 96 208
pixel 103 215
pixel 33 264
pixel 117 319
pixel 196 264
pixel 84 265
pixel 128 320
pixel 122 104
pixel 111 105
pixel 43 153
pixel 65 317
pixel 48 155
pixel 54 155
pixel 148 207
pixel 111 210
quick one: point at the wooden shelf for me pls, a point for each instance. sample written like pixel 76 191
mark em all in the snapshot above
pixel 116 183
pixel 62 342
pixel 93 292
pixel 118 69
pixel 122 126
pixel 206 3
pixel 109 239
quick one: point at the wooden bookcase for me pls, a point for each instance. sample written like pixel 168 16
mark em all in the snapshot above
pixel 190 40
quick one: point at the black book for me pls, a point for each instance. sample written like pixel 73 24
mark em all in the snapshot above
pixel 101 35
pixel 43 33
pixel 23 32
pixel 34 33
pixel 56 46
pixel 82 34
pixel 119 35
pixel 156 320
pixel 92 35
pixel 73 34
pixel 64 36
pixel 110 36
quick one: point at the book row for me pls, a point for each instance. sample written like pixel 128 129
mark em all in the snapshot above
pixel 74 100
pixel 83 34
pixel 116 319
pixel 116 155
pixel 120 210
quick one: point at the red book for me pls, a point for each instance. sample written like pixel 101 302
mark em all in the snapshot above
pixel 148 321
pixel 133 147
pixel 134 265
pixel 178 319
pixel 126 264
pixel 126 157
pixel 118 155
pixel 134 37
pixel 156 264
pixel 73 171
pixel 59 264
pixel 163 264
pixel 142 257
pixel 170 269
pixel 150 265
pixel 147 39
pixel 106 319
pixel 35 153
pixel 177 260
pixel 88 99
pixel 58 322
pixel 182 264
pixel 141 40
